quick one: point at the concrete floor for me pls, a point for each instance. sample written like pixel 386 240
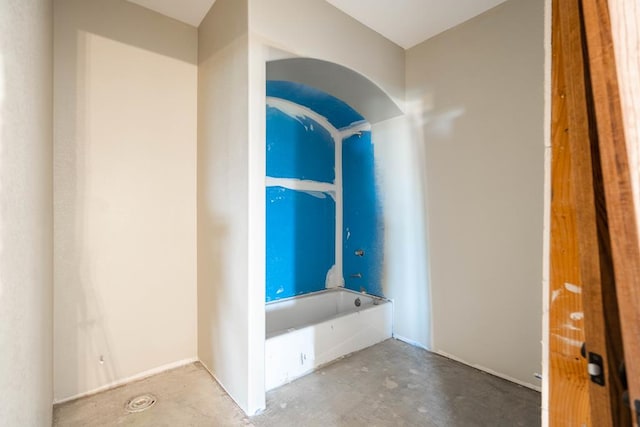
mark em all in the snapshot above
pixel 389 384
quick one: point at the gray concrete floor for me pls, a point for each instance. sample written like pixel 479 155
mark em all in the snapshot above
pixel 389 384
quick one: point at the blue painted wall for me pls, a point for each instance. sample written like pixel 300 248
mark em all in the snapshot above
pixel 301 225
pixel 300 241
pixel 337 112
pixel 363 222
pixel 298 148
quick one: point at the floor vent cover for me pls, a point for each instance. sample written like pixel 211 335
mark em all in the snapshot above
pixel 140 403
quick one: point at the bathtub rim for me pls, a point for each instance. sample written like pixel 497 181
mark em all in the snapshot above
pixel 325 291
pixel 278 332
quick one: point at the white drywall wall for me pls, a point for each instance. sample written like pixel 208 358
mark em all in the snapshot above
pixel 316 29
pixel 26 248
pixel 231 288
pixel 124 194
pixel 401 178
pixel 478 89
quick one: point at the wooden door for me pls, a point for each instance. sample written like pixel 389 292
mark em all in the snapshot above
pixel 594 239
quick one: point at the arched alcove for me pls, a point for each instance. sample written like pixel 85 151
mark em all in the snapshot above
pixel 324 214
pixel 341 82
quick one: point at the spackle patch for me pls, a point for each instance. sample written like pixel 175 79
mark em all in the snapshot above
pixel 573 288
pixel 333 278
pixel 422 410
pixel 412 386
pixel 316 194
pixel 364 369
pixel 390 384
pixel 283 405
pixel 578 315
pixel 555 294
pixel 413 371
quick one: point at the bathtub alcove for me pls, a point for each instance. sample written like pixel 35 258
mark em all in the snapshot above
pixel 324 223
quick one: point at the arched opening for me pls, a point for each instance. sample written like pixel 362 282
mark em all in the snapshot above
pixel 324 220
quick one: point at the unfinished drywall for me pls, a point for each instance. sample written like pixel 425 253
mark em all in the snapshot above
pixel 324 224
pixel 300 196
pixel 476 92
pixel 125 193
pixel 26 248
pixel 226 334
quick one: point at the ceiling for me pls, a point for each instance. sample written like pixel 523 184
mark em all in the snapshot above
pixel 191 12
pixel 405 22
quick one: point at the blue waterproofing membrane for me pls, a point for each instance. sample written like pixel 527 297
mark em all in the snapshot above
pixel 298 147
pixel 300 241
pixel 337 112
pixel 363 222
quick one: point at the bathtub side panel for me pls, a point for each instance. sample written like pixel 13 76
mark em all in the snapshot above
pixel 296 353
pixel 352 332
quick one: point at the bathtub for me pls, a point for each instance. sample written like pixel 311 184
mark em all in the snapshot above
pixel 306 332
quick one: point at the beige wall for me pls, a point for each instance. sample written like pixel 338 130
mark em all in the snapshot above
pixel 125 193
pixel 25 213
pixel 476 92
pixel 224 288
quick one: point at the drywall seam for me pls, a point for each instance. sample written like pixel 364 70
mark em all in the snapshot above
pixel 410 342
pixel 221 384
pixel 336 278
pixel 301 185
pixel 130 379
pixel 296 110
pixel 355 128
pixel 489 371
pixel 546 238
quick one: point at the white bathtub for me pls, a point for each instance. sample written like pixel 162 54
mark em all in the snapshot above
pixel 309 331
